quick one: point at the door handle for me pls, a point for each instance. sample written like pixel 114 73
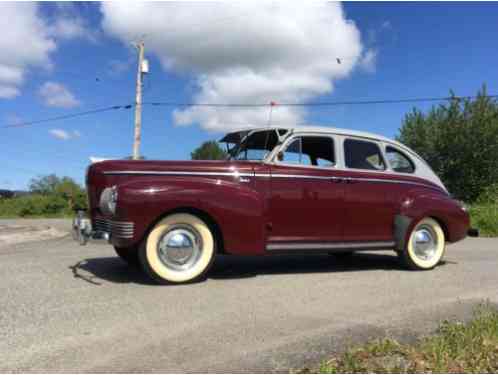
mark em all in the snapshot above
pixel 337 180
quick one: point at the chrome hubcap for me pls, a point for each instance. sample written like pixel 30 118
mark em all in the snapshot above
pixel 180 247
pixel 425 243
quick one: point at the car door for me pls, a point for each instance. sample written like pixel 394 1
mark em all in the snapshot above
pixel 306 200
pixel 369 196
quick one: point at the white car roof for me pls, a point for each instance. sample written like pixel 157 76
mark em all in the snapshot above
pixel 424 170
pixel 330 130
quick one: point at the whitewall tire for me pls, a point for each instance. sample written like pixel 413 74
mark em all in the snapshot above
pixel 425 247
pixel 179 249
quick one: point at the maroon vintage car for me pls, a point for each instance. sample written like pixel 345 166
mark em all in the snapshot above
pixel 282 190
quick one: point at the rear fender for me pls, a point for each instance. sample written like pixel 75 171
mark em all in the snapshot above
pixel 452 218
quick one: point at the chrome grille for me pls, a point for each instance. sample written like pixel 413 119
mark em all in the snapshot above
pixel 121 229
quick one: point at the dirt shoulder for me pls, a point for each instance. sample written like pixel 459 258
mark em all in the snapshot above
pixel 16 231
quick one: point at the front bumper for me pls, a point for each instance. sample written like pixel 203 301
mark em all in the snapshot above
pixel 83 233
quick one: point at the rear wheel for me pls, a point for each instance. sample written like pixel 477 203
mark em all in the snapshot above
pixel 425 247
pixel 128 254
pixel 179 249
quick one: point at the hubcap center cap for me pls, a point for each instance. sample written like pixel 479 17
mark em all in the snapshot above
pixel 425 243
pixel 179 248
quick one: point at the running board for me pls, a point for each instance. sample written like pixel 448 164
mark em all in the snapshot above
pixel 329 246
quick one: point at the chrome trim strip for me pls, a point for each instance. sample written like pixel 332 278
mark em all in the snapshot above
pixel 180 173
pixel 310 177
pixel 330 245
pixel 268 175
pixel 120 229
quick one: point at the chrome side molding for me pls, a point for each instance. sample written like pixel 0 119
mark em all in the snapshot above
pixel 330 246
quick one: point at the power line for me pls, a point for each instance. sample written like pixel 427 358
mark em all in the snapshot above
pixel 316 104
pixel 249 105
pixel 68 116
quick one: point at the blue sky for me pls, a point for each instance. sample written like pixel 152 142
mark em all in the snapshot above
pixel 420 49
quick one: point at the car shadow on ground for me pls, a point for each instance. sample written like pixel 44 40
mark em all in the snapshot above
pixel 228 267
pixel 95 271
pixel 115 270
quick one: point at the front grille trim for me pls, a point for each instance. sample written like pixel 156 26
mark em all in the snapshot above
pixel 118 229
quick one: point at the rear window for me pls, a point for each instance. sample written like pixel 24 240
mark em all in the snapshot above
pixel 398 161
pixel 363 155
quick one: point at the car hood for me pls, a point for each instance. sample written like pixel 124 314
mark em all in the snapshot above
pixel 151 166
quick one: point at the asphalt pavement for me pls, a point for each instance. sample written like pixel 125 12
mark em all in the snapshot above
pixel 68 308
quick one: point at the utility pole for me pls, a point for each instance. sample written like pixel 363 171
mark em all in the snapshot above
pixel 138 102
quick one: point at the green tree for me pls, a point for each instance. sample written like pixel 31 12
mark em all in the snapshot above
pixel 209 150
pixel 44 184
pixel 459 140
pixel 72 193
pixel 59 189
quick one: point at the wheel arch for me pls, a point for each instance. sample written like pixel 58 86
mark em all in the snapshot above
pixel 403 226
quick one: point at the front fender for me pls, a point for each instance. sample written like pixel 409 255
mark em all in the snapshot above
pixel 237 208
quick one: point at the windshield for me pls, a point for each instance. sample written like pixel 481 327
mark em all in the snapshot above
pixel 255 146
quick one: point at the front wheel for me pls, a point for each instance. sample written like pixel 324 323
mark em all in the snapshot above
pixel 179 249
pixel 425 247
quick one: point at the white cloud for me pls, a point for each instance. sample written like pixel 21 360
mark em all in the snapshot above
pixel 67 23
pixel 56 95
pixel 64 135
pixel 244 53
pixel 24 42
pixel 369 60
pixel 8 92
pixel 29 37
pixel 386 25
pixel 65 28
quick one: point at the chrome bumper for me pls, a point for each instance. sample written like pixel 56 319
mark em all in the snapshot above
pixel 82 231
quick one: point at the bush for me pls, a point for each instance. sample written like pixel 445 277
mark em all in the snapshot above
pixel 50 196
pixel 34 205
pixel 459 140
pixel 484 214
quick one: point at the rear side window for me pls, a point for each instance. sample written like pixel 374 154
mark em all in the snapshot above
pixel 398 161
pixel 363 155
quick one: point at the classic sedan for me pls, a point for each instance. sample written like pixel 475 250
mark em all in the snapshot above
pixel 282 190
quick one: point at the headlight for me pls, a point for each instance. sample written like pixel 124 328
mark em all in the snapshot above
pixel 109 200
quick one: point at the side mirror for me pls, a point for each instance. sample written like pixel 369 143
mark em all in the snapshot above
pixel 280 156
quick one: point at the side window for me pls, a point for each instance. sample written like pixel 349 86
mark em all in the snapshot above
pixel 398 161
pixel 293 153
pixel 363 155
pixel 314 151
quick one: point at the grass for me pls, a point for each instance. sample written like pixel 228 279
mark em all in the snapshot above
pixel 455 348
pixel 485 217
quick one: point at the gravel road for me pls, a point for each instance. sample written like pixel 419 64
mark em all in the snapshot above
pixel 67 308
